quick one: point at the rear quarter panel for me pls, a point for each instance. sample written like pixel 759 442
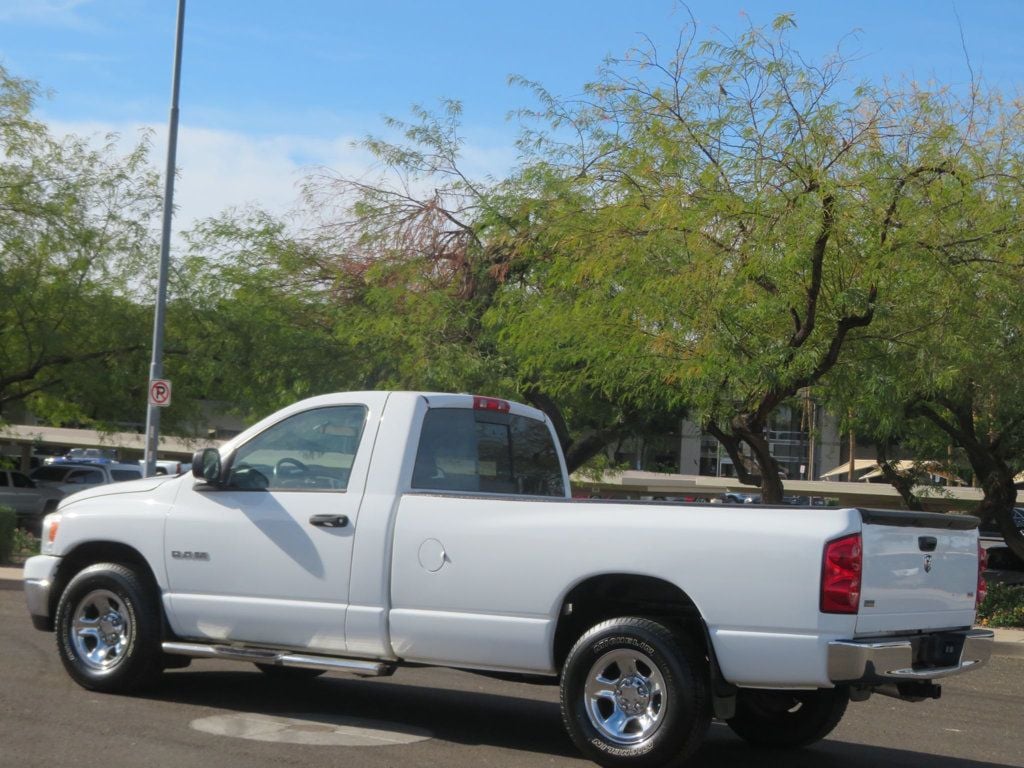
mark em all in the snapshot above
pixel 753 573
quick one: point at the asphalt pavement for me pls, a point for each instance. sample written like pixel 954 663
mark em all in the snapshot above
pixel 230 716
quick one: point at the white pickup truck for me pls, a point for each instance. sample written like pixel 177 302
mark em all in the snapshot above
pixel 361 531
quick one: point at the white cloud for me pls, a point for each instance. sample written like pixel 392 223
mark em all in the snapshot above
pixel 220 169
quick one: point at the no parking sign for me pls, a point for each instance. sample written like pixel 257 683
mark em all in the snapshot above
pixel 160 392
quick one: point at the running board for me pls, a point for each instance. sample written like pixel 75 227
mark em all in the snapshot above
pixel 280 658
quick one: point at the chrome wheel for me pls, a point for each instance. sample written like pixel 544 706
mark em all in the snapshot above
pixel 101 630
pixel 625 696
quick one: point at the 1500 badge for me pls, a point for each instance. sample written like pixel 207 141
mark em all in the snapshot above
pixel 181 555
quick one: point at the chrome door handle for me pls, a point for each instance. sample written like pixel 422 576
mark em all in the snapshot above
pixel 329 521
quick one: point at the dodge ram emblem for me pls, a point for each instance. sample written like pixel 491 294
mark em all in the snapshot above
pixel 179 555
pixel 927 563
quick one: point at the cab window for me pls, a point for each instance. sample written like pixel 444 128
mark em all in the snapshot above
pixel 486 452
pixel 310 451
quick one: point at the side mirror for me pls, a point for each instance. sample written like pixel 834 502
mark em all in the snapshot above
pixel 206 465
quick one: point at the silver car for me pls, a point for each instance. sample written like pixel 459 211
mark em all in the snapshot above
pixel 30 502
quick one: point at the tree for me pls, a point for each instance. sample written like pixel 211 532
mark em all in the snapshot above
pixel 720 225
pixel 74 243
pixel 940 368
pixel 404 273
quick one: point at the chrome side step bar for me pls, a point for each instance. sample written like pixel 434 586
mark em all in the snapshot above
pixel 280 658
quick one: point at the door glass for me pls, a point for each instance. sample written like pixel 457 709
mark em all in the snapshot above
pixel 310 451
pixel 21 481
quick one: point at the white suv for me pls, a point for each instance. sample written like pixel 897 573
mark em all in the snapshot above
pixel 69 477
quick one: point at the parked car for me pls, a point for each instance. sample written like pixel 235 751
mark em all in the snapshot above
pixel 69 477
pixel 172 467
pixel 85 456
pixel 29 502
pixel 741 497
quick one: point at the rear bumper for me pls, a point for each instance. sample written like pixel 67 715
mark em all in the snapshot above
pixel 917 657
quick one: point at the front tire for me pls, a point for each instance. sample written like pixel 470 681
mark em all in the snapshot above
pixel 108 629
pixel 788 719
pixel 634 694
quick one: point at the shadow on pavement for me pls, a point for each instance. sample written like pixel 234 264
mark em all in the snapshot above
pixel 724 750
pixel 463 717
pixel 487 719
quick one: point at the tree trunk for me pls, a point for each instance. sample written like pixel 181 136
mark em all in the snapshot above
pixel 1000 498
pixel 771 483
pixel 903 484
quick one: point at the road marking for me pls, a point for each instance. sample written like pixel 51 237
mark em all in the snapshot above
pixel 316 730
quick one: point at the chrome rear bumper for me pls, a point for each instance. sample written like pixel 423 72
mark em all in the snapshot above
pixel 917 657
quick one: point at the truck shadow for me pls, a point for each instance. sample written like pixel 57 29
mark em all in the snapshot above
pixel 529 721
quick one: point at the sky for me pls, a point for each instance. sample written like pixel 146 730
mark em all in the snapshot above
pixel 272 90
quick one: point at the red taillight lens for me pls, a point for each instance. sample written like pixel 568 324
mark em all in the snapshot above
pixel 982 590
pixel 840 575
pixel 491 404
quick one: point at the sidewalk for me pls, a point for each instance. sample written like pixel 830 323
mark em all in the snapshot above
pixel 1009 642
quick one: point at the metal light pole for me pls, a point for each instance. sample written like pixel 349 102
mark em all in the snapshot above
pixel 156 365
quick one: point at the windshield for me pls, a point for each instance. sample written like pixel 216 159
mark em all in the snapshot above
pixel 51 473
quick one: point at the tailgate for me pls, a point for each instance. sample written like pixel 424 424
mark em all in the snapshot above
pixel 920 571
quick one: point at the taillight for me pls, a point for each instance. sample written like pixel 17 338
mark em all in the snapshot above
pixel 491 404
pixel 840 575
pixel 982 590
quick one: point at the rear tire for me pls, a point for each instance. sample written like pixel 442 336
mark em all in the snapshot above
pixel 788 719
pixel 108 629
pixel 634 695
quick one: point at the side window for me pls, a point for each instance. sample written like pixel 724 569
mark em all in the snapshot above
pixel 310 451
pixel 85 477
pixel 120 475
pixel 21 481
pixel 3 479
pixel 486 452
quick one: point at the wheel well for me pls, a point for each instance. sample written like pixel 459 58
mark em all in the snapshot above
pixel 610 595
pixel 93 552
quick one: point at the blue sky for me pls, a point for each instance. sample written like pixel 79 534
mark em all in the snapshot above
pixel 272 88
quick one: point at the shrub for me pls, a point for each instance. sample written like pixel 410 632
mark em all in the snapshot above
pixel 7 521
pixel 25 544
pixel 1003 607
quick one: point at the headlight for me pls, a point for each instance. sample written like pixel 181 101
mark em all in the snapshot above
pixel 50 525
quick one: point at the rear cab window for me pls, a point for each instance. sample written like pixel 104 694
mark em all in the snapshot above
pixel 487 450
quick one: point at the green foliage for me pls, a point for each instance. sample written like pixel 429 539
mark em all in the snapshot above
pixel 1003 606
pixel 75 243
pixel 7 522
